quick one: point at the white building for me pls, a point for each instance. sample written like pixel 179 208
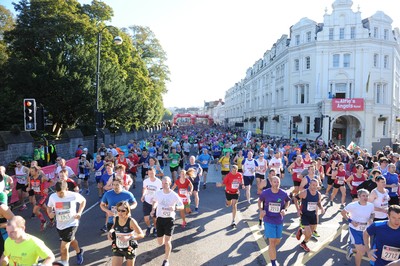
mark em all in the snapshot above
pixel 342 74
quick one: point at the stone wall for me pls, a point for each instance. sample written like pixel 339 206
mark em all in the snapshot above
pixel 12 146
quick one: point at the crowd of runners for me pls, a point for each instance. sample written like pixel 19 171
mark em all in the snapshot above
pixel 318 171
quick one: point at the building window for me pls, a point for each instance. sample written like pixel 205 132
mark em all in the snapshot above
pixel 386 61
pixel 297 39
pixel 380 93
pixel 308 62
pixel 331 34
pixel 296 65
pixel 308 122
pixel 336 59
pixel 309 36
pixel 376 60
pixel 341 34
pixel 302 94
pixel 376 32
pixel 386 34
pixel 346 60
pixel 353 33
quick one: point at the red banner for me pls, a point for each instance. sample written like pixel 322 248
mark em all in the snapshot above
pixel 348 104
pixel 49 172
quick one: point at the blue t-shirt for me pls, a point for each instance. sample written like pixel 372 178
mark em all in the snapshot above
pixel 383 235
pixel 204 160
pixel 111 199
pixel 104 178
pixel 196 167
pixel 392 179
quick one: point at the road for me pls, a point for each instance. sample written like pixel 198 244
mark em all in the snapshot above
pixel 208 238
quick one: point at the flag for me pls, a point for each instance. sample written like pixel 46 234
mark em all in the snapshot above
pixel 351 146
pixel 367 86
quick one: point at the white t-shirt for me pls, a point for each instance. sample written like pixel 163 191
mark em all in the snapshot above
pixel 166 203
pixel 152 187
pixel 186 146
pixel 276 164
pixel 360 214
pixel 70 171
pixel 249 167
pixel 65 208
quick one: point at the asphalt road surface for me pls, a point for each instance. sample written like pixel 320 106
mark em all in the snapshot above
pixel 208 238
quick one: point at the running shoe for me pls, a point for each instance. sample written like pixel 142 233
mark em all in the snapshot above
pixel 260 227
pixel 148 230
pixel 79 257
pixel 204 186
pixel 23 207
pixel 299 233
pixel 165 263
pixel 331 203
pixel 33 216
pixel 342 206
pixel 303 245
pixel 87 192
pixel 43 226
pixel 196 211
pixel 183 224
pixel 233 224
pixel 349 253
pixel 315 234
pixel 104 229
pixel 154 232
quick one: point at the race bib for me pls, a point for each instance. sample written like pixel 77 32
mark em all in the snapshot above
pixel 235 185
pixel 362 226
pixel 145 165
pixel 63 216
pixel 166 212
pixel 114 210
pixel 21 180
pixel 204 162
pixel 182 191
pixel 274 207
pixel 394 189
pixel 36 189
pixel 102 153
pixel 98 173
pixel 174 162
pixel 81 175
pixel 120 242
pixel 390 253
pixel 226 165
pixel 312 206
pixel 340 181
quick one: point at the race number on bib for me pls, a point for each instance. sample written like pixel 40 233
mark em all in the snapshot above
pixel 166 211
pixel 235 185
pixel 182 191
pixel 81 176
pixel 311 206
pixel 394 189
pixel 98 173
pixel 274 207
pixel 390 253
pixel 63 216
pixel 121 240
pixel 36 189
pixel 362 226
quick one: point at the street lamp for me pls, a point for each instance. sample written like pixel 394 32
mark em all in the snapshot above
pixel 117 41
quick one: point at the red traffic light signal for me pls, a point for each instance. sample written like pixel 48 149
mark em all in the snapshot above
pixel 29 114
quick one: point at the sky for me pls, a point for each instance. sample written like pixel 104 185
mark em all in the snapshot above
pixel 211 43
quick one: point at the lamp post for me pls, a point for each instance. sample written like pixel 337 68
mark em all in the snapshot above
pixel 117 40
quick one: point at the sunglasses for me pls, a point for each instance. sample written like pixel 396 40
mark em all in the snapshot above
pixel 122 210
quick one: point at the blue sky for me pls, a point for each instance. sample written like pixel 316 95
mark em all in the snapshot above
pixel 211 43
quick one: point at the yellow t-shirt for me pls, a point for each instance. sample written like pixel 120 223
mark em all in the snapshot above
pixel 225 163
pixel 27 252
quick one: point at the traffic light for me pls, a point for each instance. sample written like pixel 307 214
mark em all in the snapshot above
pixel 317 124
pixel 100 121
pixel 41 117
pixel 29 114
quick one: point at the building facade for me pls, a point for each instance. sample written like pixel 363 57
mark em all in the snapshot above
pixel 337 80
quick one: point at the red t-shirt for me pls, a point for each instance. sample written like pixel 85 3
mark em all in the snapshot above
pixel 232 182
pixel 183 189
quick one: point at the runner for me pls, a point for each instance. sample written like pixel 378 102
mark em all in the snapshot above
pixel 386 235
pixel 150 186
pixel 204 159
pixel 359 214
pixel 21 174
pixel 38 195
pixel 277 164
pixel 310 201
pixel 165 202
pixel 225 162
pixel 83 169
pixel 295 169
pixel 380 198
pixel 72 186
pixel 62 205
pixel 185 190
pixel 249 169
pixel 273 204
pixel 124 234
pixel 5 214
pixel 355 180
pixel 174 159
pixel 195 179
pixel 238 160
pixel 261 170
pixel 112 197
pixel 339 180
pixel 21 248
pixel 392 184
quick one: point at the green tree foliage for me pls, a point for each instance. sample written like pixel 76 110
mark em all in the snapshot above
pixel 53 55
